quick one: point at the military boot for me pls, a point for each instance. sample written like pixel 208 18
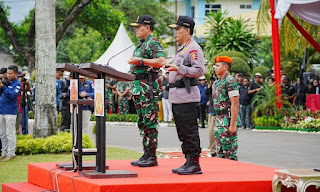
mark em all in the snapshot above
pixel 150 160
pixel 143 157
pixel 181 167
pixel 192 166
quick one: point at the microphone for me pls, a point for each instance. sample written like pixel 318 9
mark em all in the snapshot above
pixel 107 39
pixel 140 41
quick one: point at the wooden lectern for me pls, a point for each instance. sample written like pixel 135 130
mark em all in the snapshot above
pixel 97 72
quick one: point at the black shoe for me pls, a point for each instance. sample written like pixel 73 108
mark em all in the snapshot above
pixel 135 163
pixel 143 157
pixel 149 162
pixel 213 154
pixel 150 159
pixel 192 166
pixel 181 167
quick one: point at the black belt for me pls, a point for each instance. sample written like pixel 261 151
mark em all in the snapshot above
pixel 223 112
pixel 185 82
pixel 180 83
pixel 145 76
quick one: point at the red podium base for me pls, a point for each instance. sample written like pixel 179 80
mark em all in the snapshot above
pixel 218 175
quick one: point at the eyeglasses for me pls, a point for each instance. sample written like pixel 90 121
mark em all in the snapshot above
pixel 201 79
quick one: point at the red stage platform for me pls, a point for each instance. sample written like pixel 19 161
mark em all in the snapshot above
pixel 219 175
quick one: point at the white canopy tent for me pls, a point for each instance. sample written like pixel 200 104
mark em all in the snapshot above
pixel 119 43
pixel 308 10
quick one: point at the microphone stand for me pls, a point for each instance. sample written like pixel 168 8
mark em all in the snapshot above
pixel 141 41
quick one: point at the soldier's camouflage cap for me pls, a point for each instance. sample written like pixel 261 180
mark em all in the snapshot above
pixel 143 19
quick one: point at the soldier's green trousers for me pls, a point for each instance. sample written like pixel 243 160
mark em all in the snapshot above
pixel 227 144
pixel 123 105
pixel 147 111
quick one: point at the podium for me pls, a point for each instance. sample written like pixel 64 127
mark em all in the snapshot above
pixel 94 71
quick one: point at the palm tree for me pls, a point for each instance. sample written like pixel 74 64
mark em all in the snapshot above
pixel 265 102
pixel 292 42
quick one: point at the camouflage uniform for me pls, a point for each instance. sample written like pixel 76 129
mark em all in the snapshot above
pixel 227 145
pixel 124 103
pixel 147 108
pixel 109 94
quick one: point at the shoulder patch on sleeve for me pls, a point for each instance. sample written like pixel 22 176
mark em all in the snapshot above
pixel 194 55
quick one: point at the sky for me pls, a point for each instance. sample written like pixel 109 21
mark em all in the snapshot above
pixel 19 9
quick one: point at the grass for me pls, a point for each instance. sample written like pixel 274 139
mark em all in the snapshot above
pixel 16 170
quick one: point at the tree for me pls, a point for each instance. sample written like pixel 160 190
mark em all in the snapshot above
pixel 25 47
pixel 45 58
pixel 228 34
pixel 133 8
pixel 292 43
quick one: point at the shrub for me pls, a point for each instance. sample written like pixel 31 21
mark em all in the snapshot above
pixel 233 54
pixel 261 69
pixel 240 66
pixel 268 121
pixel 59 143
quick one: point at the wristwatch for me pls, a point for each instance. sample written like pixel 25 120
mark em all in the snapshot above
pixel 141 61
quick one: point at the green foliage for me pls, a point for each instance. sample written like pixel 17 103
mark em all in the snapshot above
pixel 240 66
pixel 133 8
pixel 31 115
pixel 265 102
pixel 228 34
pixel 82 43
pixel 261 69
pixel 264 55
pixel 233 54
pixel 268 121
pixel 59 143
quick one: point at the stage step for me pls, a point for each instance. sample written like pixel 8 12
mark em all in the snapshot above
pixel 21 187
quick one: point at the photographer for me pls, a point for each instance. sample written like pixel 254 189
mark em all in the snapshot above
pixel 8 113
pixel 3 78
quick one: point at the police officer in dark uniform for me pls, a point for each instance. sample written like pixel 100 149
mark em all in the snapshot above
pixel 184 94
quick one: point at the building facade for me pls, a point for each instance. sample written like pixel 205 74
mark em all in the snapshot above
pixel 198 9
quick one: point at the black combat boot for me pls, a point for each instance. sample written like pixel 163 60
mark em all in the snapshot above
pixel 181 167
pixel 150 159
pixel 143 157
pixel 192 166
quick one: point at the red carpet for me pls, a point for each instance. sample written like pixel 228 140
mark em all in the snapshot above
pixel 219 175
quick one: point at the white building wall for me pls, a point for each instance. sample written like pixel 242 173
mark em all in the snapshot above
pixel 6 59
pixel 181 8
pixel 233 6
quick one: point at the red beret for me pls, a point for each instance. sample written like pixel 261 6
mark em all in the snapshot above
pixel 225 59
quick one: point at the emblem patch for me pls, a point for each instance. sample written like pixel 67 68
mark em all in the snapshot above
pixel 194 56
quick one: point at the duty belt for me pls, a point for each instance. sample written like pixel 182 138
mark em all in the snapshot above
pixel 145 76
pixel 223 112
pixel 185 82
pixel 150 77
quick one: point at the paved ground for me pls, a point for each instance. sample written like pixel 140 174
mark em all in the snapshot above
pixel 275 149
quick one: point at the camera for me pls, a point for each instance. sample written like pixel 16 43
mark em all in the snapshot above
pixel 5 82
pixel 212 79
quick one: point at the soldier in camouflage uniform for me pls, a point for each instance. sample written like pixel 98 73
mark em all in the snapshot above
pixel 123 90
pixel 226 106
pixel 147 58
pixel 110 89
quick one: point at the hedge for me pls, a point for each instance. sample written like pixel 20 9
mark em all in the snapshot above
pixel 59 143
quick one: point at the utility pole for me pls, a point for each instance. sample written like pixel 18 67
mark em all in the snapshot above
pixel 176 18
pixel 45 64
